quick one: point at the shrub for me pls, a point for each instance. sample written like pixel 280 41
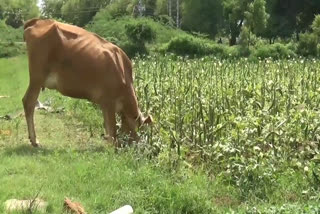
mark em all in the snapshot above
pixel 185 45
pixel 165 20
pixel 139 32
pixel 307 45
pixel 232 51
pixel 132 49
pixel 10 49
pixel 10 34
pixel 113 40
pixel 193 46
pixel 274 51
pixel 9 39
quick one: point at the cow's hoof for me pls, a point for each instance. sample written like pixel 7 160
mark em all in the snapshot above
pixel 117 145
pixel 35 144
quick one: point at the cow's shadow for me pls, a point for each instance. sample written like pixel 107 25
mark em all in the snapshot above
pixel 28 150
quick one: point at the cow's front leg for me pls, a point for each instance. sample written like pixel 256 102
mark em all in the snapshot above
pixel 29 102
pixel 109 116
pixel 128 126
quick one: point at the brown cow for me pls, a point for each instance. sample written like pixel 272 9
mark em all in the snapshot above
pixel 82 65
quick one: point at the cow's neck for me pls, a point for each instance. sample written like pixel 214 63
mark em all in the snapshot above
pixel 131 105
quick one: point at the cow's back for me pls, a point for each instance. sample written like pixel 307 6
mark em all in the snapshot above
pixel 79 63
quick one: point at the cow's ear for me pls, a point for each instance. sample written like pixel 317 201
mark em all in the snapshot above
pixel 148 120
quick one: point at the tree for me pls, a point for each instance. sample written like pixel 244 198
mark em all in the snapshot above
pixel 15 12
pixel 178 14
pixel 52 8
pixel 81 12
pixel 257 17
pixel 316 26
pixel 308 44
pixel 161 7
pixel 306 13
pixel 2 6
pixel 316 30
pixel 170 7
pixel 234 11
pixel 289 17
pixel 202 16
pixel 150 7
pixel 244 41
pixel 118 8
pixel 251 12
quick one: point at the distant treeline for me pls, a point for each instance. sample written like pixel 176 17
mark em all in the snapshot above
pixel 249 24
pixel 265 18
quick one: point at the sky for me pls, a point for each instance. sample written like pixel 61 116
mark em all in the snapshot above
pixel 39 3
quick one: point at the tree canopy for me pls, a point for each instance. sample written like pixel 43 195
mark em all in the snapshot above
pixel 266 18
pixel 14 12
pixel 202 16
pixel 269 19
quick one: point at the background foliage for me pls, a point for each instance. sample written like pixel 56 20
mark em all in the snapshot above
pixel 250 25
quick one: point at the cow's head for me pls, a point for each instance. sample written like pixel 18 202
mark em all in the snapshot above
pixel 141 120
pixel 131 125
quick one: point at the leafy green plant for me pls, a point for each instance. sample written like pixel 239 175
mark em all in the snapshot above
pixel 307 45
pixel 139 32
pixel 274 51
pixel 166 20
pixel 11 49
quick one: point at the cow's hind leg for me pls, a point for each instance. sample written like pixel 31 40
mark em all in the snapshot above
pixel 29 101
pixel 109 116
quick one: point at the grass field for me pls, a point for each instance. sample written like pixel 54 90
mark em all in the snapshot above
pixel 229 137
pixel 72 163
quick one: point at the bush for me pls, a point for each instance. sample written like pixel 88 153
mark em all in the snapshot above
pixel 10 49
pixel 113 40
pixel 132 49
pixel 232 51
pixel 274 51
pixel 165 20
pixel 9 34
pixel 139 32
pixel 307 45
pixel 9 41
pixel 193 46
pixel 185 45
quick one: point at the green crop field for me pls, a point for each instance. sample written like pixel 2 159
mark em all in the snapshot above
pixel 230 136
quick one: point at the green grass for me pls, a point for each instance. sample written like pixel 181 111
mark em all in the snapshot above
pixel 229 137
pixel 71 163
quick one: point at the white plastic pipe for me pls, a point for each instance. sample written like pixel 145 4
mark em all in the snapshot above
pixel 127 209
